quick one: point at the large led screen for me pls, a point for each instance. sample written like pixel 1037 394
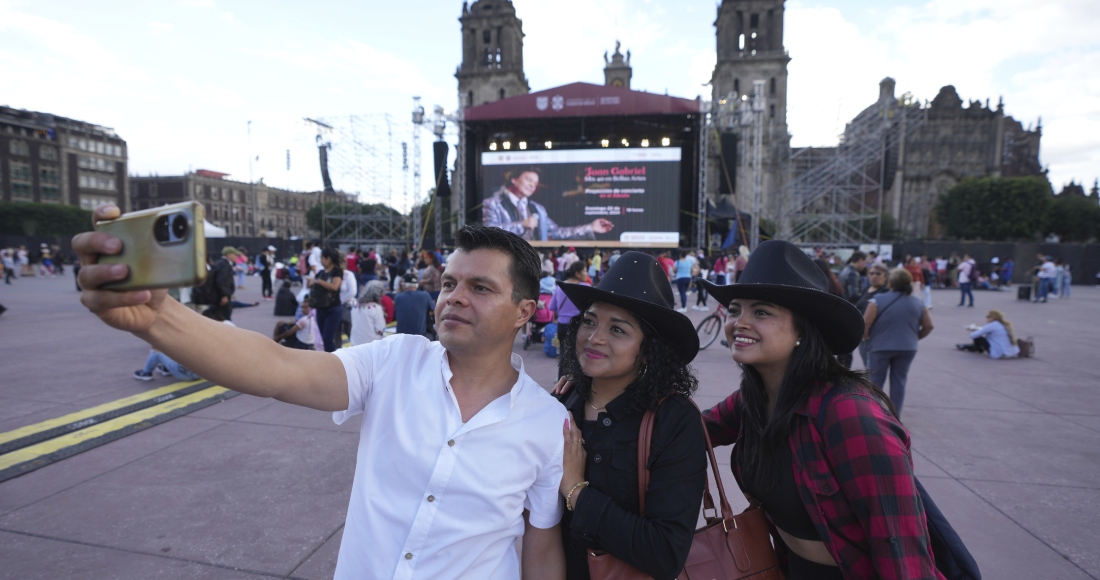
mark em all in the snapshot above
pixel 584 197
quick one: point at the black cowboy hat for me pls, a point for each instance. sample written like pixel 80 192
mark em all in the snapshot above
pixel 780 273
pixel 638 283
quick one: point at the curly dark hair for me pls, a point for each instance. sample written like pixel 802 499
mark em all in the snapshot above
pixel 658 379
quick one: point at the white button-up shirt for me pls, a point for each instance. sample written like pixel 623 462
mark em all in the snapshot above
pixel 434 497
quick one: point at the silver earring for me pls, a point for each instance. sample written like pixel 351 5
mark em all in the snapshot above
pixel 798 343
pixel 644 371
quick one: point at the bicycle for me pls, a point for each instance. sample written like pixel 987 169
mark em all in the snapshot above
pixel 711 327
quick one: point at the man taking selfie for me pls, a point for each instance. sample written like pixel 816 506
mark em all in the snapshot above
pixel 460 452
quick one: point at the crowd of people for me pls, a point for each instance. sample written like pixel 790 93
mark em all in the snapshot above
pixel 441 415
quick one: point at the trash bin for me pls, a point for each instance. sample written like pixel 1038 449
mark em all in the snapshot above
pixel 1023 292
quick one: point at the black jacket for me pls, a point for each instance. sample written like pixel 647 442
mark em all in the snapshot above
pixel 223 279
pixel 606 514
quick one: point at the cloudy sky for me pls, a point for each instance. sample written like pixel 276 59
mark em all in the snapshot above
pixel 181 79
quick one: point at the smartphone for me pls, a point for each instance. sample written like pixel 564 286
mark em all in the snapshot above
pixel 164 247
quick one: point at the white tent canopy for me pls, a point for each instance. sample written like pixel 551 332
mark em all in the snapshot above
pixel 212 231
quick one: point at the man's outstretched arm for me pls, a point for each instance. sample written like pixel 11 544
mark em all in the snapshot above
pixel 543 556
pixel 237 359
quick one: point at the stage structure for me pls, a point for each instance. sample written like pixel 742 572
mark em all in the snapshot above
pixel 358 156
pixel 441 191
pixel 835 194
pixel 587 166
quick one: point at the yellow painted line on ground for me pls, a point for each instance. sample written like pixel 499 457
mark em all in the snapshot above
pixel 93 411
pixel 47 447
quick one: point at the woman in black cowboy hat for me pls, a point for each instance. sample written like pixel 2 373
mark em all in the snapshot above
pixel 625 352
pixel 818 445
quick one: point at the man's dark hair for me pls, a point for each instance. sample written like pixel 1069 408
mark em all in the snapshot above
pixel 856 256
pixel 525 267
pixel 515 173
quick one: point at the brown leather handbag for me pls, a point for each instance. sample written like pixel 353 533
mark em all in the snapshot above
pixel 727 547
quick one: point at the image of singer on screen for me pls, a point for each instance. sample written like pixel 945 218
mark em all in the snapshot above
pixel 511 208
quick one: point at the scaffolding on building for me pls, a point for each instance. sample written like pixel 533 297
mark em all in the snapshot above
pixel 835 194
pixel 363 153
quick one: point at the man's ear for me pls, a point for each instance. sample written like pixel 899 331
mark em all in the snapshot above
pixel 526 311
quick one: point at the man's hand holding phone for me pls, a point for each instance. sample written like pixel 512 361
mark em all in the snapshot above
pixel 133 311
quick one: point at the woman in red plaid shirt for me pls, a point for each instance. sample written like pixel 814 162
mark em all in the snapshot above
pixel 840 496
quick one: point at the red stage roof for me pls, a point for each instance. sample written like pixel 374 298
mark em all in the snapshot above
pixel 581 100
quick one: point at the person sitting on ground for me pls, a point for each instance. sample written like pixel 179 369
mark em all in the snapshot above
pixel 411 307
pixel 996 337
pixel 163 365
pixel 299 333
pixel 368 321
pixel 286 304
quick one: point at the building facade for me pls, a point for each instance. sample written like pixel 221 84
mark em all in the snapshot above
pixel 956 142
pixel 229 204
pixel 616 70
pixel 49 159
pixel 492 53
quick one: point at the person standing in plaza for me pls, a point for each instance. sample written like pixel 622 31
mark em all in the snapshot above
pixel 1046 275
pixel 877 276
pixel 851 277
pixel 560 304
pixel 838 512
pixel 7 259
pixel 411 307
pixel 325 295
pixel 626 354
pixel 967 275
pixel 267 262
pixel 438 416
pixel 223 286
pixel 681 276
pixel 894 322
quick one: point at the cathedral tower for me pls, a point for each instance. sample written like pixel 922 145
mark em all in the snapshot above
pixel 492 53
pixel 617 70
pixel 750 48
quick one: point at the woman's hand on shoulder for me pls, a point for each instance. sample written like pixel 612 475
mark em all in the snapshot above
pixel 562 387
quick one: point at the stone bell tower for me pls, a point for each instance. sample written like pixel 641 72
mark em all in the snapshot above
pixel 617 70
pixel 750 48
pixel 492 53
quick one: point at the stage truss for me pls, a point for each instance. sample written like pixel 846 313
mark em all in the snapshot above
pixel 834 195
pixel 364 153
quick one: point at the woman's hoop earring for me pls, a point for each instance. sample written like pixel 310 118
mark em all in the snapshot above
pixel 644 371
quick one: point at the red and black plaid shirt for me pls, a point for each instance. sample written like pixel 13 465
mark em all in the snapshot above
pixel 856 482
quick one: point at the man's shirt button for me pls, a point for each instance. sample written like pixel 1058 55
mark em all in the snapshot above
pixel 431 498
pixel 408 556
pixel 606 422
pixel 597 459
pixel 451 443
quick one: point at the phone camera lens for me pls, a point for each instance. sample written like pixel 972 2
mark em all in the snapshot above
pixel 179 227
pixel 160 229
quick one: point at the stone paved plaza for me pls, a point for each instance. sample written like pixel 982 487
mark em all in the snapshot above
pixel 250 487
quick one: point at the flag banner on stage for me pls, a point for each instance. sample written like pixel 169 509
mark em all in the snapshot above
pixel 588 197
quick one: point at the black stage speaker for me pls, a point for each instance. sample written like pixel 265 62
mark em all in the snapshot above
pixel 727 173
pixel 323 150
pixel 439 156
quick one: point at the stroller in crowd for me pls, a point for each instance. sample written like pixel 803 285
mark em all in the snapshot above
pixel 532 331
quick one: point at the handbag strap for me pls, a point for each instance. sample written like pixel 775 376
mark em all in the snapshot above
pixel 645 440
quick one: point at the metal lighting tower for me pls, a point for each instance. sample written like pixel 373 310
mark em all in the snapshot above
pixel 438 125
pixel 418 120
pixel 757 160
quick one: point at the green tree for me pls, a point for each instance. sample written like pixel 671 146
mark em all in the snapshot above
pixel 996 208
pixel 1074 219
pixel 43 219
